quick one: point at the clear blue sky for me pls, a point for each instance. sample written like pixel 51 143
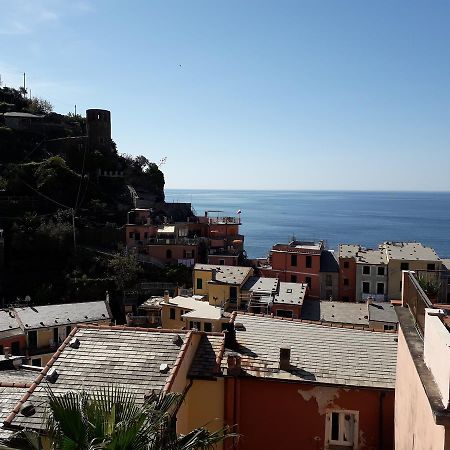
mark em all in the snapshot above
pixel 338 94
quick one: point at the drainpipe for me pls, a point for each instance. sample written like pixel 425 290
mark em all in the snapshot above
pixel 380 423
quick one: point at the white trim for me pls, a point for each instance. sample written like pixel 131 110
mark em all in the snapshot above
pixel 342 413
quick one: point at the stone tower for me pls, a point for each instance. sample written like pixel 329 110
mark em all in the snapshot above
pixel 98 124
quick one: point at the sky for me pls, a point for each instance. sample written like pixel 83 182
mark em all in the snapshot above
pixel 250 94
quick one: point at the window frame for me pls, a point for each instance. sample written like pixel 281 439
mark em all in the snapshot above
pixel 199 283
pixel 383 273
pixel 308 261
pixel 366 270
pixel 329 430
pixel 172 314
pixel 365 283
pixel 294 260
pixel 380 283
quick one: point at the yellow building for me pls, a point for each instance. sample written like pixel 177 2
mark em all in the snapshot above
pixel 222 285
pixel 407 256
pixel 46 327
pixel 188 313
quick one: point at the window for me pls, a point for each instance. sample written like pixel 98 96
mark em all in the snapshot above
pixel 196 325
pixel 293 260
pixel 380 270
pixel 221 262
pixel 1 350
pixel 346 264
pixel 32 339
pixel 328 280
pixel 168 253
pixel 199 283
pixel 15 348
pixel 389 327
pixel 346 298
pixel 55 335
pixel 207 326
pixel 366 270
pixel 68 330
pixel 308 281
pixel 308 261
pixel 293 278
pixel 404 266
pixel 380 288
pixel 346 282
pixel 284 313
pixel 172 314
pixel 431 267
pixel 342 428
pixel 366 287
pixel 36 362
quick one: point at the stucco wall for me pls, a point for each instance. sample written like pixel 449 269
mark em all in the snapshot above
pixel 291 416
pixel 373 278
pixel 414 424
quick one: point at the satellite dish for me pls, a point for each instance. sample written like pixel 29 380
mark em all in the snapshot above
pixel 27 299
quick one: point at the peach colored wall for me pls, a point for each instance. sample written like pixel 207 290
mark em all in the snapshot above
pixel 437 353
pixel 350 274
pixel 414 423
pixel 141 229
pixel 224 230
pixel 279 415
pixel 7 342
pixel 160 252
pixel 296 309
pixel 229 260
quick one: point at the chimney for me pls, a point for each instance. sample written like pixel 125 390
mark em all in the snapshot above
pixel 213 274
pixel 166 296
pixel 107 297
pixel 230 336
pixel 234 364
pixel 7 352
pixel 285 358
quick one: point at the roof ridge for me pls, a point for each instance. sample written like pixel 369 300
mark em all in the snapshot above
pixel 125 327
pixel 14 384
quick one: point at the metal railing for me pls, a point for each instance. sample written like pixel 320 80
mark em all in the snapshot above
pixel 416 299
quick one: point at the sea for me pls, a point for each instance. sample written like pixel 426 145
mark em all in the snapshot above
pixel 366 218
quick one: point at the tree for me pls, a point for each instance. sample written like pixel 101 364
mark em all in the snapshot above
pixel 125 269
pixel 39 106
pixel 110 418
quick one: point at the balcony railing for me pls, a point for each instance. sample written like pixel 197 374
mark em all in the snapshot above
pixel 416 299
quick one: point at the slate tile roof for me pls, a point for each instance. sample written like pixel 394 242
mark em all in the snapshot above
pixel 382 312
pixel 64 314
pixel 336 312
pixel 319 353
pixel 235 275
pixel 108 355
pixel 9 325
pixel 206 363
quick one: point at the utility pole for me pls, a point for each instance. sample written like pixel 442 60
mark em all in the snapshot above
pixel 30 94
pixel 75 109
pixel 24 84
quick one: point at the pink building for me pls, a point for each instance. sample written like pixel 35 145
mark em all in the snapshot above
pixel 422 392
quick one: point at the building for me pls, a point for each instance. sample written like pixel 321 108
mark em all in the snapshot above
pixel 402 256
pixel 329 276
pixel 292 385
pixel 372 315
pixel 46 327
pixel 371 275
pixel 191 313
pixel 347 269
pixel 22 120
pixel 12 337
pixel 422 409
pixel 296 262
pixel 222 285
pixel 139 360
pixel 257 293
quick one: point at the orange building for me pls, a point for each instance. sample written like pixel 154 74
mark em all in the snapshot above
pixel 347 268
pixel 296 262
pixel 12 337
pixel 294 385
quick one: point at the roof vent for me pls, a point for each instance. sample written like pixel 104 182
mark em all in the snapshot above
pixel 234 364
pixel 164 368
pixel 177 340
pixel 42 323
pixel 28 410
pixel 74 342
pixel 239 326
pixel 52 375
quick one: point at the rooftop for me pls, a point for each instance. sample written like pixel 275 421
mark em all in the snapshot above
pixel 382 312
pixel 199 309
pixel 339 312
pixel 9 325
pixel 309 246
pixel 291 293
pixel 226 274
pixel 125 357
pixel 328 262
pixel 348 250
pixel 319 354
pixel 206 363
pixel 369 256
pixel 261 285
pixel 22 115
pixel 409 251
pixel 64 314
